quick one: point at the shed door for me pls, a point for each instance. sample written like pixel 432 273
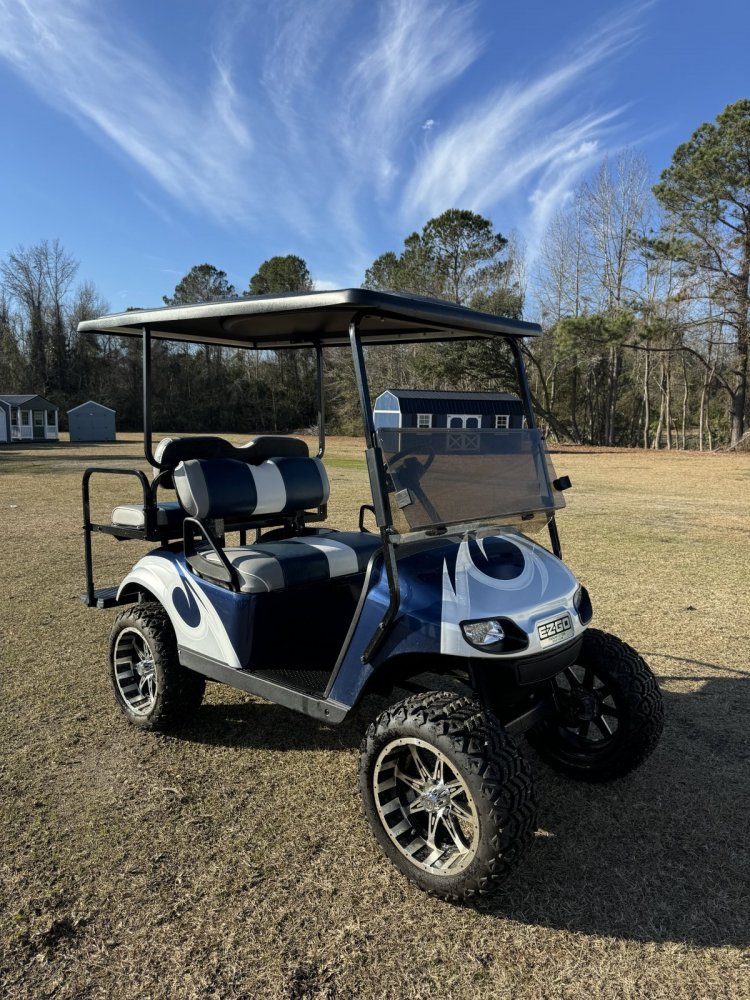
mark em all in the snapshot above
pixel 91 425
pixel 468 420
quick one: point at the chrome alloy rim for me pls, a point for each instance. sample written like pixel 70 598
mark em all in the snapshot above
pixel 425 806
pixel 135 674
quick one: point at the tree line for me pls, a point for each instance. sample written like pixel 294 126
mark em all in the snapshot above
pixel 642 293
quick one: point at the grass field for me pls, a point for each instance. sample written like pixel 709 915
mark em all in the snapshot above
pixel 230 861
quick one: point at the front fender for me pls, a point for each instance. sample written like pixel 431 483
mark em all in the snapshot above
pixel 445 582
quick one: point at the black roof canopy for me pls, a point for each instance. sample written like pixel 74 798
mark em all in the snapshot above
pixel 306 319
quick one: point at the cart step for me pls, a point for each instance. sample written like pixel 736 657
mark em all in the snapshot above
pixel 312 682
pixel 106 597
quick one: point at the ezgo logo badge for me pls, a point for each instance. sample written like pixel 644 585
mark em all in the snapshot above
pixel 555 630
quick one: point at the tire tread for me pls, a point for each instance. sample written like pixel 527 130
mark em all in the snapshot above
pixel 183 690
pixel 484 748
pixel 642 698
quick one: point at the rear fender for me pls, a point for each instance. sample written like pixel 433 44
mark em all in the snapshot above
pixel 191 608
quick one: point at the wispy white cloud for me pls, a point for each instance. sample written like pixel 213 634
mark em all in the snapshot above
pixel 158 208
pixel 298 60
pixel 516 134
pixel 419 48
pixel 554 189
pixel 328 123
pixel 325 285
pixel 89 63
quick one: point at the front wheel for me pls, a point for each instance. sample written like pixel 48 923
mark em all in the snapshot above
pixel 447 793
pixel 609 712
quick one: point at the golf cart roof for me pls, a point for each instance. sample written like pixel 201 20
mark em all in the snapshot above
pixel 306 319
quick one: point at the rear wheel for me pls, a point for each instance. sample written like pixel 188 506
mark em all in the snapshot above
pixel 151 687
pixel 610 712
pixel 447 793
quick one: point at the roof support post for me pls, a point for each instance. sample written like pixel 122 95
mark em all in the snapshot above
pixel 321 401
pixel 523 383
pixel 373 452
pixel 147 449
pixel 379 490
pixel 149 499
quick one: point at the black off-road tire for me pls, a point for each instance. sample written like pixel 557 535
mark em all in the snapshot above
pixel 485 758
pixel 176 693
pixel 633 706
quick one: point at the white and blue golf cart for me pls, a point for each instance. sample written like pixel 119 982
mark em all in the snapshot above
pixel 453 600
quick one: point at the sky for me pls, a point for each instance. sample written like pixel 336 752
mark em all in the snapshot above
pixel 152 136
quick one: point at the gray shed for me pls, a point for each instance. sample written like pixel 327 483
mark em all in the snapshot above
pixel 91 422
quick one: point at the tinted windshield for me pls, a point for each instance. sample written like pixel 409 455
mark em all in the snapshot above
pixel 450 476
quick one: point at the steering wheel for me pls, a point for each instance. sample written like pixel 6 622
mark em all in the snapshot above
pixel 410 464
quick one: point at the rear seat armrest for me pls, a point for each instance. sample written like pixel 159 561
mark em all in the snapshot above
pixel 224 572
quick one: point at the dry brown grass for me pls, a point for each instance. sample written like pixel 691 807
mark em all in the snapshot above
pixel 230 861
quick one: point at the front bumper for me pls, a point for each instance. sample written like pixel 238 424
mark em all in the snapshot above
pixel 507 685
pixel 543 666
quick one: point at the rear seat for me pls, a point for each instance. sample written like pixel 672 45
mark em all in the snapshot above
pixel 173 450
pixel 227 489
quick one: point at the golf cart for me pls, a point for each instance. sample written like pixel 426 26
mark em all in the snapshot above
pixel 452 600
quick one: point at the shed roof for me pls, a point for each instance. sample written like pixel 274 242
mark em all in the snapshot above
pixel 304 319
pixel 454 394
pixel 436 401
pixel 15 400
pixel 91 402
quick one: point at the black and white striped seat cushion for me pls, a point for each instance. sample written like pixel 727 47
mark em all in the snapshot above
pixel 226 488
pixel 326 555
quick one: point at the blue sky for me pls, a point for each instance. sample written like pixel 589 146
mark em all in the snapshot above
pixel 151 136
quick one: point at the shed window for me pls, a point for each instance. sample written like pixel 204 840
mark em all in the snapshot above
pixel 14 416
pixel 51 418
pixel 25 418
pixel 424 420
pixel 502 420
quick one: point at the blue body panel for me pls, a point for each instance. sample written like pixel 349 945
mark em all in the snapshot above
pixel 443 582
pixel 417 626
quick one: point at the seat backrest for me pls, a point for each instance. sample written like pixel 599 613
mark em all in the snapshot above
pixel 267 446
pixel 171 451
pixel 227 488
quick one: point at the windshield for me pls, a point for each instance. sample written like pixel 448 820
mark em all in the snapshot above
pixel 449 476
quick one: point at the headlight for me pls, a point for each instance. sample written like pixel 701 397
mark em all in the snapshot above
pixel 483 634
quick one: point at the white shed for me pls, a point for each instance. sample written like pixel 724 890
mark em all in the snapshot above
pixel 92 422
pixel 27 418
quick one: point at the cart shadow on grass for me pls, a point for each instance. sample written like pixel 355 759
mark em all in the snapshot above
pixel 658 856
